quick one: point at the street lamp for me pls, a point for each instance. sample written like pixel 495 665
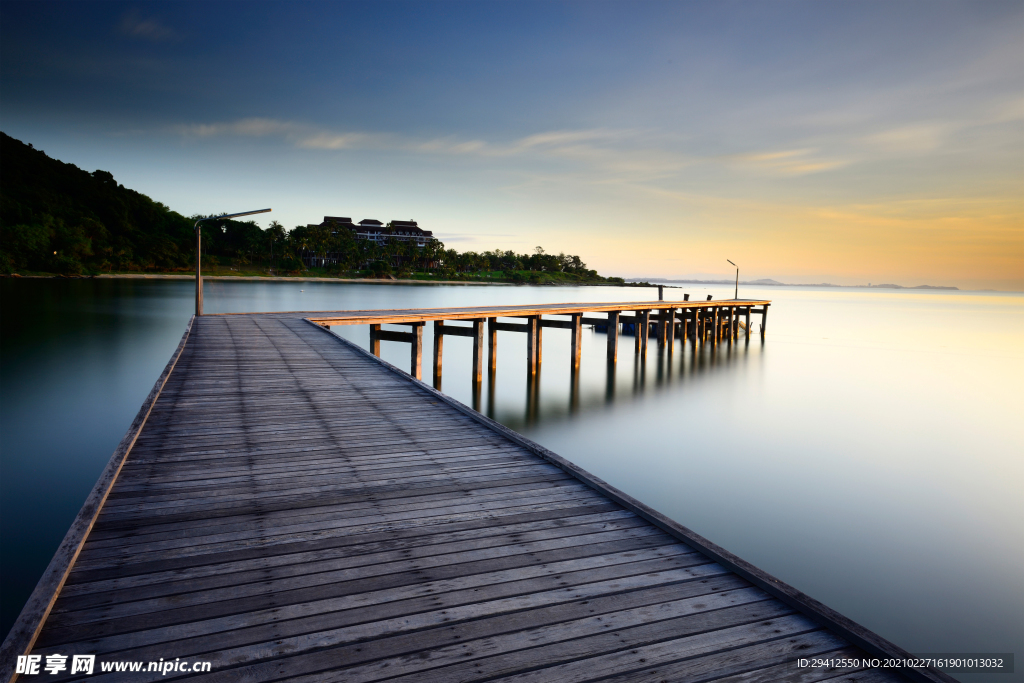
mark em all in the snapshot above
pixel 199 251
pixel 737 294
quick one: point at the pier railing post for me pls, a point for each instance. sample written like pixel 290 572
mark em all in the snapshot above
pixel 199 269
pixel 375 340
pixel 613 336
pixel 577 340
pixel 438 352
pixel 478 350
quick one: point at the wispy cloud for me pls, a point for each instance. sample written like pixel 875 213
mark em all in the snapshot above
pixel 136 26
pixel 786 162
pixel 622 155
pixel 619 152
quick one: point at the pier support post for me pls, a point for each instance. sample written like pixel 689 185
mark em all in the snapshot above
pixel 438 349
pixel 478 351
pixel 532 323
pixel 375 340
pixel 492 344
pixel 670 330
pixel 577 341
pixel 717 330
pixel 417 351
pixel 644 331
pixel 748 322
pixel 540 342
pixel 764 318
pixel 613 336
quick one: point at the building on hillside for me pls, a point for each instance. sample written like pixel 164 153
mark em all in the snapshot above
pixel 373 231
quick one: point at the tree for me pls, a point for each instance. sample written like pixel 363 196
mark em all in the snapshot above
pixel 274 234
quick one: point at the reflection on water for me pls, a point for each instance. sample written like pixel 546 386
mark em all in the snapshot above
pixel 869 452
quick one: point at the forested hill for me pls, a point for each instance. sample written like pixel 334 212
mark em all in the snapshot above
pixel 55 217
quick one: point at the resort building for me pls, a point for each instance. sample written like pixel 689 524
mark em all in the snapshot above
pixel 372 231
pixel 375 231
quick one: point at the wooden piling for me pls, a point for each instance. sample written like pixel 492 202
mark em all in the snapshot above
pixel 375 340
pixel 644 330
pixel 492 344
pixel 416 360
pixel 577 340
pixel 670 330
pixel 438 349
pixel 613 336
pixel 532 324
pixel 478 351
pixel 540 341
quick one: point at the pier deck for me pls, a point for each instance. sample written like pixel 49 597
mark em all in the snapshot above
pixel 288 508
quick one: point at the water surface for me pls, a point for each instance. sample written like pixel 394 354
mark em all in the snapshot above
pixel 869 453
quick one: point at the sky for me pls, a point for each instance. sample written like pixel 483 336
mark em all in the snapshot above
pixel 823 141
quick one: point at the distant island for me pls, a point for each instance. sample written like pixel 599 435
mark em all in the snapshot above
pixel 767 282
pixel 58 220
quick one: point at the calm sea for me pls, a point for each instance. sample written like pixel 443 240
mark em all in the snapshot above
pixel 869 452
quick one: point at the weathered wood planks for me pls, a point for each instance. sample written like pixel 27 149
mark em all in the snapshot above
pixel 290 508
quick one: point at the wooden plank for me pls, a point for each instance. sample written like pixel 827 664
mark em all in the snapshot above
pixel 837 623
pixel 567 641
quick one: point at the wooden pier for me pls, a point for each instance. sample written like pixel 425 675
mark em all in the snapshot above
pixel 701 322
pixel 287 507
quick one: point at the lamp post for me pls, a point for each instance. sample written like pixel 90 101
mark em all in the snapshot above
pixel 199 252
pixel 737 294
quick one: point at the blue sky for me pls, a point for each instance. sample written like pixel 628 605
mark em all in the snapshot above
pixel 844 141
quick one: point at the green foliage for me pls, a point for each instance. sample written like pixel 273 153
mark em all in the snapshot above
pixel 56 217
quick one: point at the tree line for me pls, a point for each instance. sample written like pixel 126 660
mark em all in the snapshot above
pixel 57 218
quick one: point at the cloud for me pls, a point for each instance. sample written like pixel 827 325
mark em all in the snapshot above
pixel 786 162
pixel 919 137
pixel 134 26
pixel 622 155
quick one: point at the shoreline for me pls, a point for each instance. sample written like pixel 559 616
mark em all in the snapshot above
pixel 298 278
